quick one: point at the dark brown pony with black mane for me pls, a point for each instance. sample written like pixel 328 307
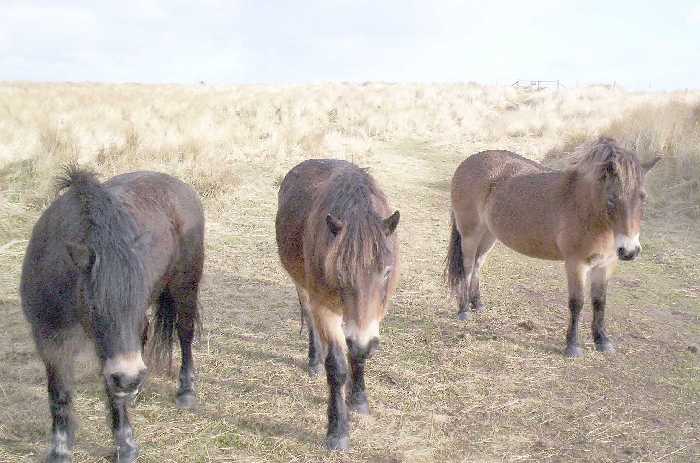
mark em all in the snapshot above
pixel 336 239
pixel 588 216
pixel 98 257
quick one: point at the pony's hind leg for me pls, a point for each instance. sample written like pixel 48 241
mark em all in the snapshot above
pixel 599 284
pixel 59 375
pixel 127 450
pixel 576 277
pixel 486 244
pixel 315 349
pixel 330 327
pixel 470 245
pixel 186 307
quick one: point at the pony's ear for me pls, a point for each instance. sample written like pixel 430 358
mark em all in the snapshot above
pixel 391 222
pixel 334 224
pixel 647 166
pixel 82 256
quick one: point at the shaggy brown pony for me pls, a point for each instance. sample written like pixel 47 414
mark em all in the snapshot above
pixel 336 239
pixel 588 216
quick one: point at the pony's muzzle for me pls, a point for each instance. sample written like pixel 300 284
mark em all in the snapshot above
pixel 628 247
pixel 124 374
pixel 363 352
pixel 123 385
pixel 624 254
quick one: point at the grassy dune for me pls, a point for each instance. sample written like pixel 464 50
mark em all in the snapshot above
pixel 493 389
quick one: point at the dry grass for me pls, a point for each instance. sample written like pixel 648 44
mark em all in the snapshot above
pixel 494 389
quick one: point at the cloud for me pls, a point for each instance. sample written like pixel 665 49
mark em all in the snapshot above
pixel 694 16
pixel 222 41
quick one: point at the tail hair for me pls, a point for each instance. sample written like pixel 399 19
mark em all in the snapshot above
pixel 454 263
pixel 165 321
pixel 73 175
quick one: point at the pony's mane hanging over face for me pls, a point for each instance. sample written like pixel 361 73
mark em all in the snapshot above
pixel 116 283
pixel 604 158
pixel 361 246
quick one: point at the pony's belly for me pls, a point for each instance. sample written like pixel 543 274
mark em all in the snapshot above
pixel 539 249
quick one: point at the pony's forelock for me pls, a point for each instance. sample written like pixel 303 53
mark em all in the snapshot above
pixel 362 245
pixel 604 156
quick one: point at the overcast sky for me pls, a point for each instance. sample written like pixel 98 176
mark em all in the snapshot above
pixel 639 44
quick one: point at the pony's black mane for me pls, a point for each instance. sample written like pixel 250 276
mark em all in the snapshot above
pixel 363 246
pixel 117 276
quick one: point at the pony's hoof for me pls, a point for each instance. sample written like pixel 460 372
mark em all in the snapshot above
pixel 315 370
pixel 338 442
pixel 479 308
pixel 186 400
pixel 58 457
pixel 126 455
pixel 606 346
pixel 464 315
pixel 573 351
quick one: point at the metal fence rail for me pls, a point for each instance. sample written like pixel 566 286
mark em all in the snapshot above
pixel 537 84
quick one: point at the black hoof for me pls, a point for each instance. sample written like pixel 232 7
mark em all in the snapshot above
pixel 464 315
pixel 126 455
pixel 338 442
pixel 58 457
pixel 315 370
pixel 606 346
pixel 186 400
pixel 573 351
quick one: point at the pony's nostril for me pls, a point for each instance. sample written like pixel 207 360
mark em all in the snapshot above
pixel 126 383
pixel 117 380
pixel 621 252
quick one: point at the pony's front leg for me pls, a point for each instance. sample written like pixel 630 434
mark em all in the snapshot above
pixel 599 285
pixel 358 397
pixel 358 357
pixel 330 328
pixel 338 433
pixel 61 402
pixel 127 450
pixel 576 277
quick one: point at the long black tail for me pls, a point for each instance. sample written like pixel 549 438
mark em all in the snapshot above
pixel 454 264
pixel 164 318
pixel 165 323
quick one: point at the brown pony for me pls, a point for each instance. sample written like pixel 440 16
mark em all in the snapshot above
pixel 588 216
pixel 335 236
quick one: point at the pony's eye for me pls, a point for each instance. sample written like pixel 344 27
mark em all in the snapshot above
pixel 643 196
pixel 611 204
pixel 387 272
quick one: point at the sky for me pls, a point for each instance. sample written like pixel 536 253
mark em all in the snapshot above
pixel 640 44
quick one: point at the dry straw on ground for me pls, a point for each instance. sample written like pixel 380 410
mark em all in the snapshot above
pixel 494 389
